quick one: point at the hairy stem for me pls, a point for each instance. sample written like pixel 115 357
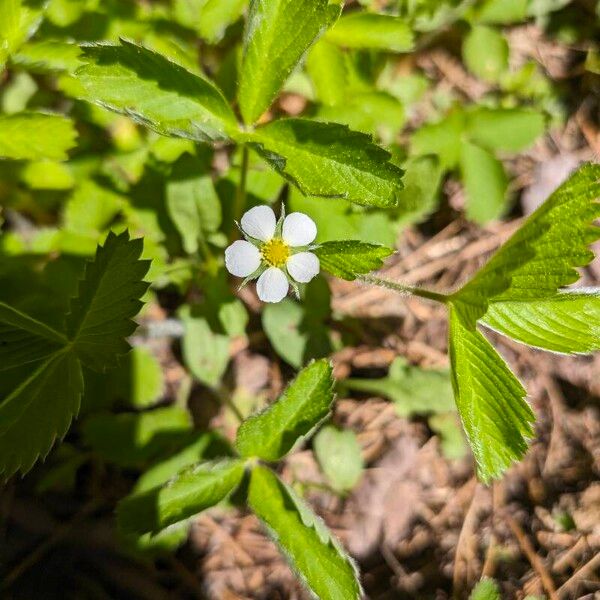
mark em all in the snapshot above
pixel 405 290
pixel 240 195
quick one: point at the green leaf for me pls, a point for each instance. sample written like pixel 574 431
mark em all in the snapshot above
pixel 327 69
pixel 502 12
pixel 413 390
pixel 154 91
pixel 509 129
pixel 329 160
pixel 132 439
pixel 339 456
pixel 19 21
pixel 485 52
pixel 452 440
pixel 568 322
pixel 109 297
pixel 490 400
pixel 443 139
pixel 192 202
pixel 191 491
pixel 49 56
pixel 543 254
pixel 140 376
pixel 350 259
pixel 39 411
pixel 374 31
pixel 309 547
pixel 209 18
pixel 33 136
pixel 272 433
pixel 486 589
pixel 485 183
pixel 25 340
pixel 278 33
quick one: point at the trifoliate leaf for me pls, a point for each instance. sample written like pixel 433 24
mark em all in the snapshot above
pixel 272 433
pixel 486 589
pixel 191 491
pixel 490 400
pixel 154 91
pixel 313 553
pixel 38 412
pixel 338 453
pixel 543 254
pixel 33 136
pixel 485 52
pixel 329 160
pixel 373 31
pixel 24 339
pixel 109 297
pixel 485 183
pixel 413 390
pixel 568 322
pixel 278 33
pixel 19 22
pixel 509 129
pixel 350 259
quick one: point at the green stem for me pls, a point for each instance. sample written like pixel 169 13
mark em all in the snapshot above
pixel 240 195
pixel 405 290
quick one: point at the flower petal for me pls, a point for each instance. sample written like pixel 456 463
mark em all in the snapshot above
pixel 303 266
pixel 272 285
pixel 242 258
pixel 259 222
pixel 299 229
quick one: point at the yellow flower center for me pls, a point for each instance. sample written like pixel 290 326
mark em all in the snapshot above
pixel 275 252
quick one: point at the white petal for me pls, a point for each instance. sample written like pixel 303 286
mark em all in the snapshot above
pixel 303 266
pixel 299 229
pixel 272 285
pixel 242 258
pixel 259 222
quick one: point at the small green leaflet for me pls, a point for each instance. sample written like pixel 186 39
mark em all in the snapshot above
pixel 19 22
pixel 485 52
pixel 350 259
pixel 209 18
pixel 486 589
pixel 272 433
pixel 38 412
pixel 40 407
pixel 154 91
pixel 33 136
pixel 101 315
pixel 568 322
pixel 329 160
pixel 339 456
pixel 278 33
pixel 414 391
pixel 490 400
pixel 48 56
pixel 372 31
pixel 542 256
pixel 191 491
pixel 311 550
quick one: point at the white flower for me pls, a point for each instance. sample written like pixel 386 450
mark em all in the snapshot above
pixel 275 252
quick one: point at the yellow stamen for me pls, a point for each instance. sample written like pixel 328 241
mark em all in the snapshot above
pixel 275 252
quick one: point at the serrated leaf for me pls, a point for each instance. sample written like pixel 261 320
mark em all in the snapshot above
pixel 24 339
pixel 108 299
pixel 373 31
pixel 490 400
pixel 509 129
pixel 485 52
pixel 329 160
pixel 272 433
pixel 413 390
pixel 339 456
pixel 191 491
pixel 38 412
pixel 486 589
pixel 543 254
pixel 34 136
pixel 485 183
pixel 350 259
pixel 154 91
pixel 278 33
pixel 568 322
pixel 309 547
